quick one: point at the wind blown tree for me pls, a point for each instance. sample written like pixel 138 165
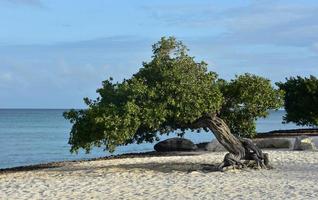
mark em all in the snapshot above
pixel 301 100
pixel 174 92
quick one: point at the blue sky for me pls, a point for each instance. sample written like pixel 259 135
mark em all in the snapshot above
pixel 54 52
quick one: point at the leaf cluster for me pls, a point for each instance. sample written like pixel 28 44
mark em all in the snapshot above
pixel 246 98
pixel 301 100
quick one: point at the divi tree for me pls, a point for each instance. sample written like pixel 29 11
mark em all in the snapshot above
pixel 170 93
pixel 301 100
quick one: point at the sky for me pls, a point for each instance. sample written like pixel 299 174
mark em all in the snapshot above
pixel 55 52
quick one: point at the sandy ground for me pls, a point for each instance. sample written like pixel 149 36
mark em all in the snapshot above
pixel 176 177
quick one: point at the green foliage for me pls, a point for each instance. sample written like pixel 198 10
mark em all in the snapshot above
pixel 168 93
pixel 301 100
pixel 247 98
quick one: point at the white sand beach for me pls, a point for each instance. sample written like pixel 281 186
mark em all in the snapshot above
pixel 294 176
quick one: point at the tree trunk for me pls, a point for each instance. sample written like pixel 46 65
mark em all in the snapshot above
pixel 224 135
pixel 239 148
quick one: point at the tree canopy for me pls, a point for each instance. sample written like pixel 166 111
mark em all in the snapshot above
pixel 247 98
pixel 169 93
pixel 301 100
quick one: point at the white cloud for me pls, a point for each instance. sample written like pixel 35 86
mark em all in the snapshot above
pixel 261 22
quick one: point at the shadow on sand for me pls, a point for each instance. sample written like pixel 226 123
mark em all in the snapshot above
pixel 166 167
pixel 185 167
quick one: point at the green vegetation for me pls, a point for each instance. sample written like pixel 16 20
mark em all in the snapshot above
pixel 247 98
pixel 301 100
pixel 172 92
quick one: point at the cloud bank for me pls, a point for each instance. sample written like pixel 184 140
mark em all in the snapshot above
pixel 275 39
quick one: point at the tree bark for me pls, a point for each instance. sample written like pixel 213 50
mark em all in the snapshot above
pixel 240 149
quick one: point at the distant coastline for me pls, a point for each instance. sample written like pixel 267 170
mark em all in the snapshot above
pixel 289 133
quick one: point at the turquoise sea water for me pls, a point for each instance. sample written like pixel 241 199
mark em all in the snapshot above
pixel 32 136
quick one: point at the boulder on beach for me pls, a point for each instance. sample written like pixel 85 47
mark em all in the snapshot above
pixel 175 144
pixel 273 143
pixel 304 143
pixel 213 146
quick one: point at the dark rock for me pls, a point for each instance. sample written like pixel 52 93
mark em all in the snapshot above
pixel 213 146
pixel 273 143
pixel 175 144
pixel 315 141
pixel 304 143
pixel 202 146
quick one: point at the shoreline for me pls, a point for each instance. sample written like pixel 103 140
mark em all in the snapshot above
pixel 55 164
pixel 288 133
pixel 311 132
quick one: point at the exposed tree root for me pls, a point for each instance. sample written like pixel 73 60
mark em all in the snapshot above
pixel 253 157
pixel 242 151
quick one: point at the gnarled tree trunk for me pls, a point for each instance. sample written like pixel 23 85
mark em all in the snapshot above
pixel 240 149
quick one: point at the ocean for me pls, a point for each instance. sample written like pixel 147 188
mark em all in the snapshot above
pixel 33 136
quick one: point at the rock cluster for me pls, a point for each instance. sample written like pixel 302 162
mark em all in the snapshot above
pixel 182 144
pixel 304 143
pixel 175 144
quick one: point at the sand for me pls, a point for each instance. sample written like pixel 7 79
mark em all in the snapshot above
pixel 295 176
